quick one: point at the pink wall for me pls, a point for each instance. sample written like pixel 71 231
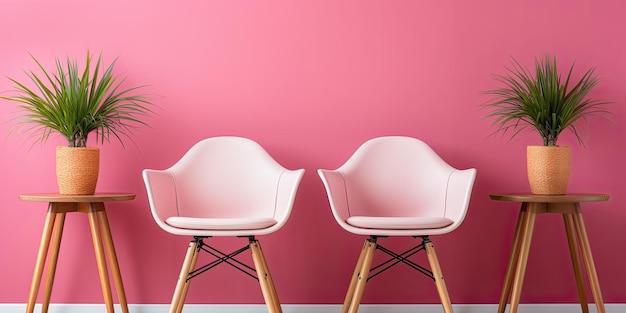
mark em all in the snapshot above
pixel 310 81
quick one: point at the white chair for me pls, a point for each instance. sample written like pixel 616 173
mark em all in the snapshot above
pixel 223 186
pixel 397 186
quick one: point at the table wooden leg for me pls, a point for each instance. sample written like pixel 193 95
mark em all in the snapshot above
pixel 510 269
pixel 112 256
pixel 41 259
pixel 570 230
pixel 52 260
pixel 520 269
pixel 94 224
pixel 588 258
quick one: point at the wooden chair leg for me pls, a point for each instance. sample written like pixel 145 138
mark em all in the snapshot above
pixel 96 235
pixel 364 272
pixel 438 275
pixel 510 269
pixel 270 280
pixel 183 296
pixel 568 220
pixel 41 259
pixel 355 277
pixel 265 279
pixel 52 261
pixel 182 277
pixel 588 258
pixel 110 250
pixel 520 270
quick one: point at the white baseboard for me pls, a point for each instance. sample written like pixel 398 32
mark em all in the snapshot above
pixel 311 308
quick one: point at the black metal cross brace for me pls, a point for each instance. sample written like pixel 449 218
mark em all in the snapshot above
pixel 402 257
pixel 222 257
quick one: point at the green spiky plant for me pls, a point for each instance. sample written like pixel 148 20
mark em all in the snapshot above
pixel 542 101
pixel 76 103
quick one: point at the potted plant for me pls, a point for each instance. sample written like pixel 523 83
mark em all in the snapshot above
pixel 75 104
pixel 543 101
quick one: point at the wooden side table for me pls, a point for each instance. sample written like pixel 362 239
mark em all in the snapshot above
pixel 93 206
pixel 568 206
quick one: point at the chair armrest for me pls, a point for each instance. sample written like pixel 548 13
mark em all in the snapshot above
pixel 288 183
pixel 161 190
pixel 459 192
pixel 337 194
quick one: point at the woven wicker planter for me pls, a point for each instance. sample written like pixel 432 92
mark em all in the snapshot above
pixel 77 170
pixel 548 169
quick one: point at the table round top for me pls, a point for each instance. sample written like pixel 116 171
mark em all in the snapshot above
pixel 56 197
pixel 567 198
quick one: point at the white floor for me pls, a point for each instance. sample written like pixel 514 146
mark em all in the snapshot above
pixel 314 308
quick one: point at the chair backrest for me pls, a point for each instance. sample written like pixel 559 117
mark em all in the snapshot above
pixel 226 177
pixel 398 177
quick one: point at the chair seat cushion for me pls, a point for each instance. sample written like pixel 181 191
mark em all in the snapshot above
pixel 221 223
pixel 373 222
